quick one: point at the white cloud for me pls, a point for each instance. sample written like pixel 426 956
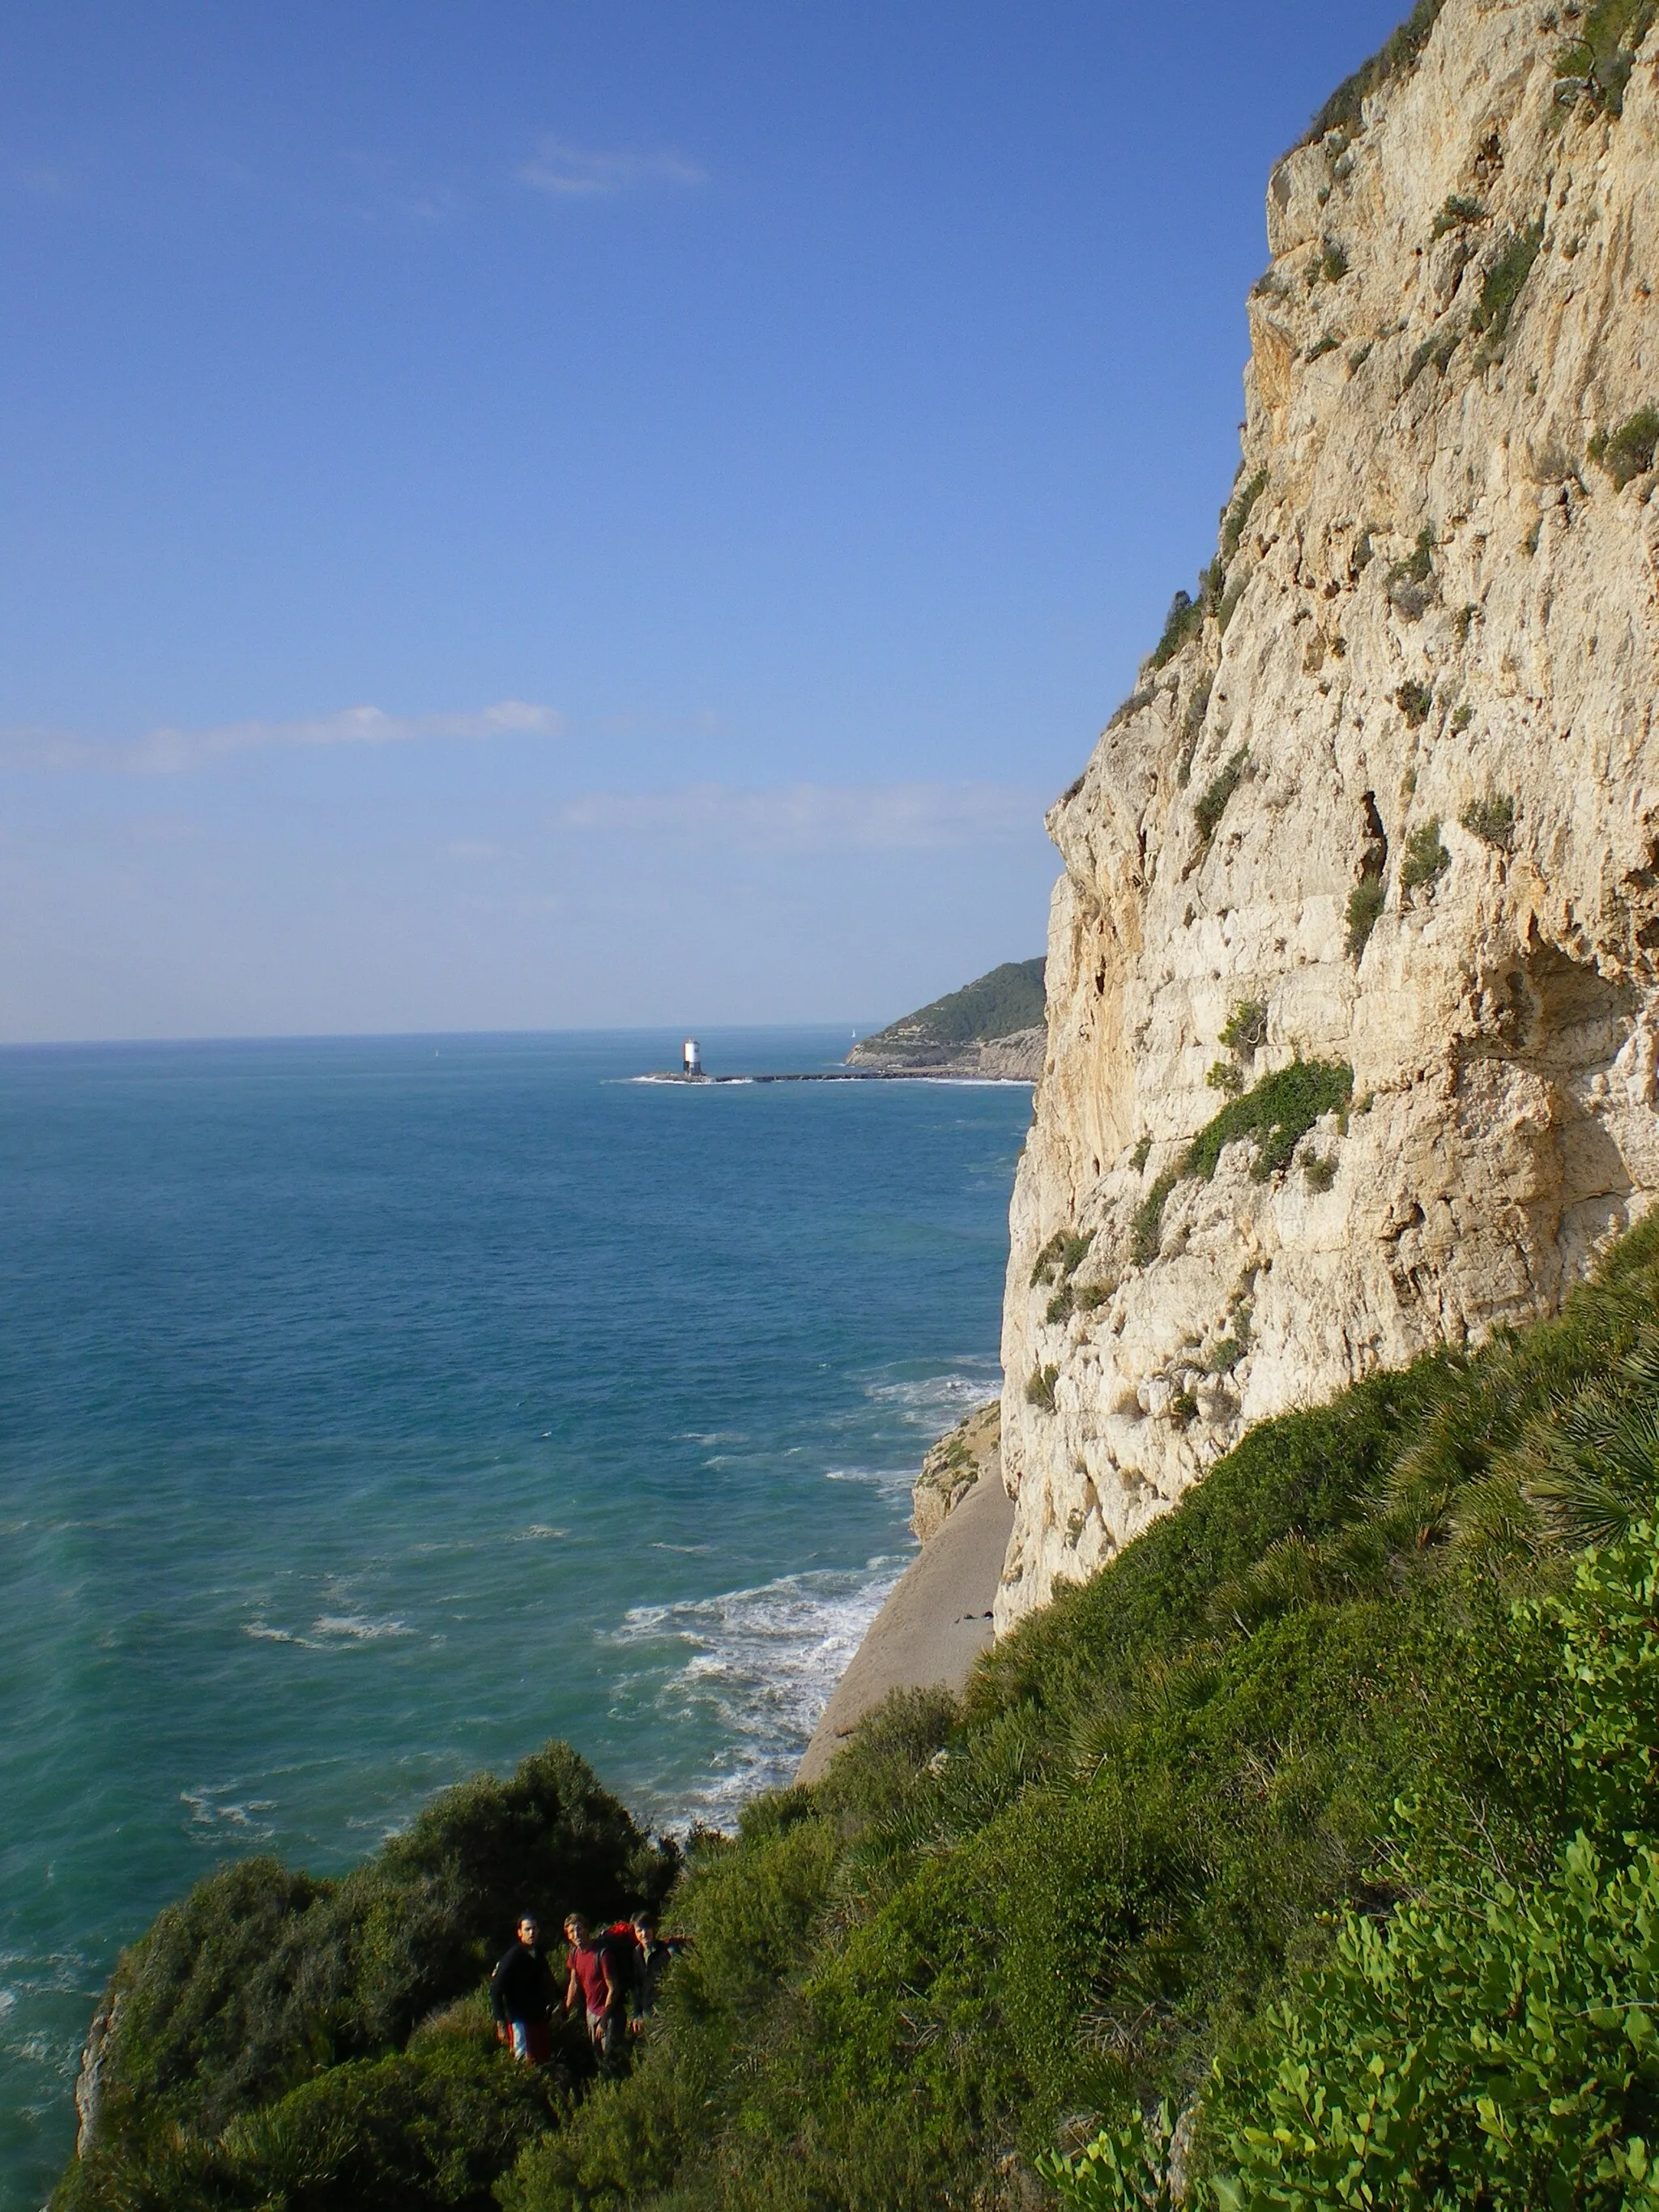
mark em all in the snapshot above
pixel 566 171
pixel 886 815
pixel 168 751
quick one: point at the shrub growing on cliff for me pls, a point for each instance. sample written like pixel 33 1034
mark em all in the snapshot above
pixel 1415 702
pixel 1630 450
pixel 1364 911
pixel 1212 803
pixel 1505 279
pixel 1425 857
pixel 1397 57
pixel 1602 50
pixel 1491 819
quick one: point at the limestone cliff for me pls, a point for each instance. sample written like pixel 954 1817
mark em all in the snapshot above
pixel 1386 801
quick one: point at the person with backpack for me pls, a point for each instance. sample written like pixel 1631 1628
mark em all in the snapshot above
pixel 522 1995
pixel 593 1972
pixel 649 1960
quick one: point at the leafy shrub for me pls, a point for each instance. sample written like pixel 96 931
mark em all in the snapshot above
pixel 1344 109
pixel 1040 1388
pixel 1321 347
pixel 1061 1256
pixel 1146 1232
pixel 1246 1026
pixel 1364 911
pixel 1425 858
pixel 261 1978
pixel 1630 450
pixel 1212 804
pixel 1457 210
pixel 1410 583
pixel 1491 819
pixel 1236 515
pixel 1602 51
pixel 1504 282
pixel 1320 1172
pixel 1184 622
pixel 1224 1075
pixel 1415 702
pixel 1277 1113
pixel 1331 266
pixel 1141 1154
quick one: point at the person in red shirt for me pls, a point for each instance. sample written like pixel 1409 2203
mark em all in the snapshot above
pixel 592 1972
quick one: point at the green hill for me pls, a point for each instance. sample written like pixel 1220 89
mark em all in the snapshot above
pixel 1007 999
pixel 1323 1820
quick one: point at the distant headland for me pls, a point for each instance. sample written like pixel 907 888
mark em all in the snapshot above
pixel 991 1030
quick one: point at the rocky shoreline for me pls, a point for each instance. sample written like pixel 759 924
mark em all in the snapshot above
pixel 936 1622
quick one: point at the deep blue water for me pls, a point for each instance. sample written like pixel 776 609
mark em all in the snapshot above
pixel 372 1410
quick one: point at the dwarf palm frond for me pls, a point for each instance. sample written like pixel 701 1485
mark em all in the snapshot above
pixel 1496 1526
pixel 1292 1572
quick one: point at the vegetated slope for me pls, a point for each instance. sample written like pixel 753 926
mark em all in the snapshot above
pixel 1385 797
pixel 1347 1686
pixel 277 2039
pixel 1348 1675
pixel 1006 1001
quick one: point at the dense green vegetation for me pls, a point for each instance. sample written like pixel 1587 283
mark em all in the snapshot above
pixel 280 2038
pixel 1602 47
pixel 1009 997
pixel 1323 1819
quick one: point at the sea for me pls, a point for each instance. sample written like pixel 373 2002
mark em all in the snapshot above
pixel 372 1410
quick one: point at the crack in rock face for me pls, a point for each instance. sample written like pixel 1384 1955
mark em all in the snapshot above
pixel 1384 800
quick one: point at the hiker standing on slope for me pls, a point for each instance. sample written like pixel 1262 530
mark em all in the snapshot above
pixel 593 1970
pixel 522 1995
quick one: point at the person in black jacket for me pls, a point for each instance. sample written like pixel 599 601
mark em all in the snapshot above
pixel 522 1995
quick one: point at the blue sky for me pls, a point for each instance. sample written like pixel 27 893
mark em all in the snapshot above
pixel 527 515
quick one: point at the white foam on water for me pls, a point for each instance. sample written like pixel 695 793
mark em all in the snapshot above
pixel 214 1812
pixel 356 1628
pixel 752 1668
pixel 537 1532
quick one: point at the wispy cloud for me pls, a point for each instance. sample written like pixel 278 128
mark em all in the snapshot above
pixel 884 815
pixel 578 172
pixel 169 751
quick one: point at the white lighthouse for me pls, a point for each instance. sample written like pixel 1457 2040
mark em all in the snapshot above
pixel 691 1057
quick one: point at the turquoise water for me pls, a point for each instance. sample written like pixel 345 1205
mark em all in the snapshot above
pixel 371 1410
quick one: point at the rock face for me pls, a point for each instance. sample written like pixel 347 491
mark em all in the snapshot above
pixel 970 1453
pixel 1386 800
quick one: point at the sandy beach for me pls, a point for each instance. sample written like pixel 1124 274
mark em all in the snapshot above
pixel 933 1627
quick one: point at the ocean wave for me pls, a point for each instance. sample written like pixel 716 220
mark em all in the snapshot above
pixel 215 1811
pixel 937 1401
pixel 330 1631
pixel 755 1667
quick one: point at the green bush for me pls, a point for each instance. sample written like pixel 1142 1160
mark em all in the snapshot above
pixel 1396 57
pixel 1277 1113
pixel 1456 213
pixel 1630 450
pixel 1246 1026
pixel 1212 804
pixel 262 1979
pixel 1040 1388
pixel 1415 702
pixel 1603 49
pixel 1491 819
pixel 1183 623
pixel 1504 282
pixel 1236 514
pixel 1362 913
pixel 1425 858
